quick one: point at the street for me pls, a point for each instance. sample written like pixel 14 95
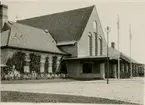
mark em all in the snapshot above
pixel 129 90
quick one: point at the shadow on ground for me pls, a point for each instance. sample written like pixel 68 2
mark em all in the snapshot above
pixel 13 96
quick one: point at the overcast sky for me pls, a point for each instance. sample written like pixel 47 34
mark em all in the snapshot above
pixel 129 13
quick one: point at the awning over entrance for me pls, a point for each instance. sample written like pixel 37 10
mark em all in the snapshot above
pixel 87 58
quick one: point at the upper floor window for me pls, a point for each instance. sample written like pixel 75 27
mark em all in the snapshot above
pixel 100 46
pixel 96 43
pixel 90 44
pixel 95 26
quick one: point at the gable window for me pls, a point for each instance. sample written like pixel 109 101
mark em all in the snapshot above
pixel 95 28
pixel 90 44
pixel 96 44
pixel 100 46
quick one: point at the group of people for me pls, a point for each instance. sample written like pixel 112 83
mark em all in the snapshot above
pixel 16 75
pixel 13 74
pixel 34 75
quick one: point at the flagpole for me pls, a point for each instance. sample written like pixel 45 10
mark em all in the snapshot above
pixel 130 38
pixel 118 30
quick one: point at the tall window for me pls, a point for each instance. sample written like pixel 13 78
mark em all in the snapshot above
pixel 96 44
pixel 100 46
pixel 54 64
pixel 90 44
pixel 95 28
pixel 46 65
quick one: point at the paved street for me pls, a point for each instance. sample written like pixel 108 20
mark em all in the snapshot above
pixel 130 90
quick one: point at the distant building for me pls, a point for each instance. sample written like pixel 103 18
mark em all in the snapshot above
pixel 73 41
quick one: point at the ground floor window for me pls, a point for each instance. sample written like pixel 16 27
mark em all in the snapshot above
pixel 54 64
pixel 46 65
pixel 87 68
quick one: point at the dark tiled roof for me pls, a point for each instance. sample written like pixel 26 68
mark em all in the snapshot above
pixel 27 37
pixel 127 58
pixel 114 54
pixel 63 26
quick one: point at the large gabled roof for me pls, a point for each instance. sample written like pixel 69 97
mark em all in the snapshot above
pixel 63 26
pixel 27 37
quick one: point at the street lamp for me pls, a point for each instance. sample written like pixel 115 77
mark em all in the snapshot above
pixel 108 30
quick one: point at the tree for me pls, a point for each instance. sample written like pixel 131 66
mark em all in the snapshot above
pixel 54 64
pixel 35 62
pixel 18 59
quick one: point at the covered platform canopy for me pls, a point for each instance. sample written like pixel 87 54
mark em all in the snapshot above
pixel 87 58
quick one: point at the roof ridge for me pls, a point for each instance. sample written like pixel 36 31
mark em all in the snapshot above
pixel 73 22
pixel 29 26
pixel 58 12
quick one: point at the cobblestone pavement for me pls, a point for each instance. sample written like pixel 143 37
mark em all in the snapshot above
pixel 129 90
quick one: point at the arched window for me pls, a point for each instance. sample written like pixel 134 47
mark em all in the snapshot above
pixel 95 28
pixel 96 43
pixel 90 43
pixel 100 46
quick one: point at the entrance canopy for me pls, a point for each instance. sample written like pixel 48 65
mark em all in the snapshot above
pixel 87 58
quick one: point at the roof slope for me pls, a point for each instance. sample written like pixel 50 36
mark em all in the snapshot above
pixel 4 37
pixel 127 58
pixel 63 26
pixel 23 36
pixel 113 53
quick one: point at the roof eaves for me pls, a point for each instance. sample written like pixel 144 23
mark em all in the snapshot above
pixel 87 57
pixel 125 57
pixel 28 49
pixel 65 43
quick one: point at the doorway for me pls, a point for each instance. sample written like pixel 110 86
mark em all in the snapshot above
pixel 87 68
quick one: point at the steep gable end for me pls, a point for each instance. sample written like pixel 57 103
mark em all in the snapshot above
pixel 64 26
pixel 90 30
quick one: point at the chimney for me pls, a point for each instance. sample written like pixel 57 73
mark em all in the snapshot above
pixel 113 45
pixel 3 15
